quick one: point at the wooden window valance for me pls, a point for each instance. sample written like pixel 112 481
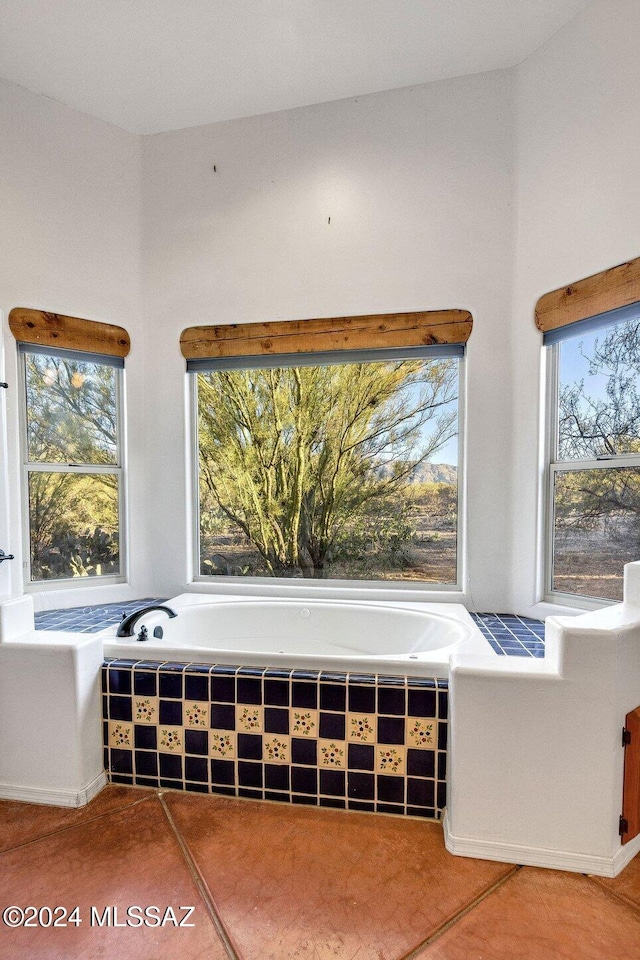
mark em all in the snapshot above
pixel 609 290
pixel 68 333
pixel 373 331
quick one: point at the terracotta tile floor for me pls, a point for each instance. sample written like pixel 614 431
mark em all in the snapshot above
pixel 276 881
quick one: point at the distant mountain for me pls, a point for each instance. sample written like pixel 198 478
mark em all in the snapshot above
pixel 429 473
pixel 436 473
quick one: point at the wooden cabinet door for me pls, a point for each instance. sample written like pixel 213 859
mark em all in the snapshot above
pixel 630 821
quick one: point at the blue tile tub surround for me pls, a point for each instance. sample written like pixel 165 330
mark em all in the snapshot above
pixel 357 742
pixel 507 634
pixel 352 741
pixel 90 619
pixel 512 636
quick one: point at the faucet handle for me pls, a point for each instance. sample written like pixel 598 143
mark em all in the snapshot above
pixel 144 633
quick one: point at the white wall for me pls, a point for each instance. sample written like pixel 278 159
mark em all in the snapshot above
pixel 481 192
pixel 578 209
pixel 418 185
pixel 70 243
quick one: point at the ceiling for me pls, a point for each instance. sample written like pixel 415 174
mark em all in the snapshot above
pixel 155 65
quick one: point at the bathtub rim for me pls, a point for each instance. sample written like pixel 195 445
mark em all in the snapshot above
pixel 432 663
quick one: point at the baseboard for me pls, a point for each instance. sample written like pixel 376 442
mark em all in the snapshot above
pixel 57 798
pixel 625 855
pixel 539 856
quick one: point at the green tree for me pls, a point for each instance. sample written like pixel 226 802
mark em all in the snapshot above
pixel 585 499
pixel 592 425
pixel 299 458
pixel 71 419
pixel 71 411
pixel 600 424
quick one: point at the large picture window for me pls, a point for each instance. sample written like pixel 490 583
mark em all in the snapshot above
pixel 73 464
pixel 341 469
pixel 594 476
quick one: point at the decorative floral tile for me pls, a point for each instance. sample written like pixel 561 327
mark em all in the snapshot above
pixel 421 733
pixel 357 739
pixel 390 759
pixel 332 753
pixel 120 735
pixel 361 727
pixel 145 709
pixel 170 739
pixel 249 719
pixel 222 744
pixel 196 714
pixel 303 723
pixel 276 749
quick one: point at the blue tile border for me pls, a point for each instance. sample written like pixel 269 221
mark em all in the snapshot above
pixel 90 619
pixel 512 636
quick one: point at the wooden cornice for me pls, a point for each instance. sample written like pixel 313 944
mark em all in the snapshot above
pixel 68 333
pixel 373 331
pixel 613 288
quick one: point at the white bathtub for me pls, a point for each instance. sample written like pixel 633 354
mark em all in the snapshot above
pixel 335 635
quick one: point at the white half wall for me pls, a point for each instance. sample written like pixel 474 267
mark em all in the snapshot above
pixel 536 761
pixel 50 711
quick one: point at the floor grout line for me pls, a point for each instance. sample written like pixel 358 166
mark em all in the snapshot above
pixel 415 952
pixel 619 897
pixel 199 882
pixel 72 826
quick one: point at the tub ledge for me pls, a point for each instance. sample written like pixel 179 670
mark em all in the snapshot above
pixel 50 723
pixel 535 749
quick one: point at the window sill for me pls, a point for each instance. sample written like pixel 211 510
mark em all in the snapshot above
pixel 565 606
pixel 330 589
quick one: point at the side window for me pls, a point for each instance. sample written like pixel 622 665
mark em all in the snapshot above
pixel 73 479
pixel 594 476
pixel 341 470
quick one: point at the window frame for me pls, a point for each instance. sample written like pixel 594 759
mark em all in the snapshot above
pixel 196 366
pixel 553 466
pixel 28 467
